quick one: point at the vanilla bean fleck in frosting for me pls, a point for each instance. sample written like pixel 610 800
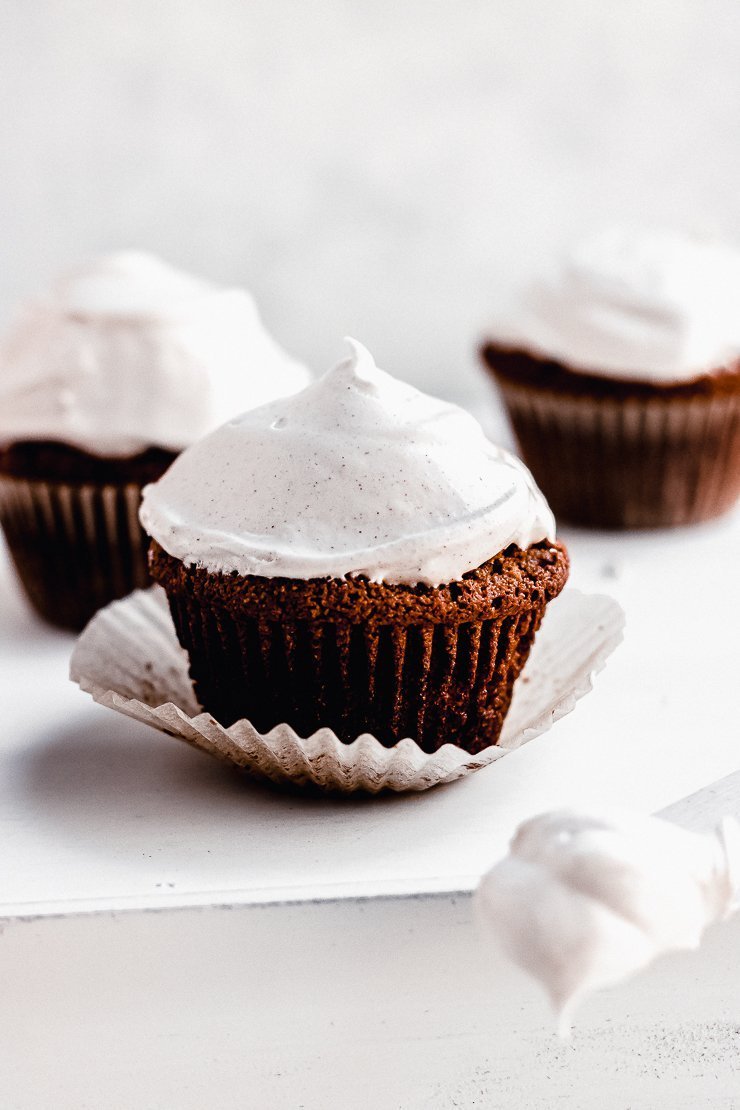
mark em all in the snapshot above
pixel 128 353
pixel 656 307
pixel 359 474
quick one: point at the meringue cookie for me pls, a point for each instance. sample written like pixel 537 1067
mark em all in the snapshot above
pixel 656 307
pixel 359 474
pixel 581 901
pixel 128 353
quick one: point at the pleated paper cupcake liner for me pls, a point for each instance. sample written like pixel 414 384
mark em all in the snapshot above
pixel 129 659
pixel 75 547
pixel 432 683
pixel 629 462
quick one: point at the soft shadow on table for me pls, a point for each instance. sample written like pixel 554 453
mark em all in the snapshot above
pixel 115 781
pixel 19 624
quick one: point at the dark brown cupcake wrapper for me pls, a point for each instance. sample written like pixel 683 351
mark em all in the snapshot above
pixel 75 547
pixel 636 462
pixel 432 664
pixel 436 684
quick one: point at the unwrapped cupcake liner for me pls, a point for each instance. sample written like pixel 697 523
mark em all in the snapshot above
pixel 75 547
pixel 129 659
pixel 631 462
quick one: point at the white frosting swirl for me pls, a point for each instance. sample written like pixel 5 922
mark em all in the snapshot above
pixel 581 902
pixel 655 307
pixel 358 474
pixel 128 353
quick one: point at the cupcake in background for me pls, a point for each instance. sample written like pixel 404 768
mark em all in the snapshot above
pixel 621 376
pixel 358 556
pixel 102 383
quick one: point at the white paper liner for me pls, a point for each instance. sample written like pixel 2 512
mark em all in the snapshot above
pixel 128 658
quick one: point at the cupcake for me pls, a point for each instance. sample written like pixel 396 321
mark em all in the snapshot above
pixel 102 384
pixel 359 557
pixel 621 376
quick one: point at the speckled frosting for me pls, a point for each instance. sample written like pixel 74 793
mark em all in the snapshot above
pixel 655 307
pixel 128 353
pixel 359 474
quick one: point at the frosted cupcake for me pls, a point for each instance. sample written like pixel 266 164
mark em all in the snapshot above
pixel 102 383
pixel 357 556
pixel 621 375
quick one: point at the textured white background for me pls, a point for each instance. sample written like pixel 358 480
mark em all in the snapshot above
pixel 381 168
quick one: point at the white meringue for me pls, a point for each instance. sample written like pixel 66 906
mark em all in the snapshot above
pixel 359 474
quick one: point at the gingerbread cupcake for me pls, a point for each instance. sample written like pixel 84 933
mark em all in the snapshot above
pixel 621 376
pixel 102 384
pixel 359 557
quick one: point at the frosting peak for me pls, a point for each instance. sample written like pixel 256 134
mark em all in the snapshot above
pixel 127 353
pixel 359 364
pixel 656 307
pixel 358 474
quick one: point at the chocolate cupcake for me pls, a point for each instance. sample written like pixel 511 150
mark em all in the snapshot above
pixel 621 377
pixel 357 557
pixel 101 385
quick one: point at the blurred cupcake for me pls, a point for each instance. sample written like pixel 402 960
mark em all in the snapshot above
pixel 621 376
pixel 358 556
pixel 102 383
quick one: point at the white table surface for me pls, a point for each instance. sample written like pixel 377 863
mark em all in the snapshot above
pixel 368 1004
pixel 99 812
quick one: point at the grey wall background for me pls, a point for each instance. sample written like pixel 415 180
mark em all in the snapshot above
pixel 384 169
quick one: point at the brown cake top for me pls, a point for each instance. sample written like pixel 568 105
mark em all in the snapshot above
pixel 518 366
pixel 505 585
pixel 49 461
